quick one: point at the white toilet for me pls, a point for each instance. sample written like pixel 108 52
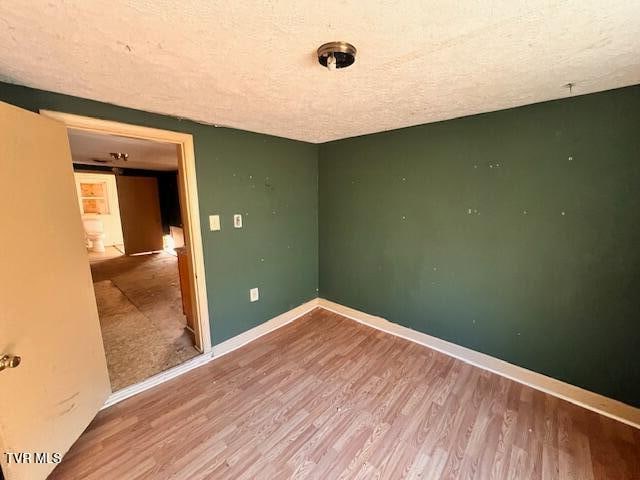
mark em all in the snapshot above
pixel 94 231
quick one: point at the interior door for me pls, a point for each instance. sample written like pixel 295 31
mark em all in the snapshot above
pixel 140 214
pixel 48 313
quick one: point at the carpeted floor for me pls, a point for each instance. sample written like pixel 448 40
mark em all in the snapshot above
pixel 140 311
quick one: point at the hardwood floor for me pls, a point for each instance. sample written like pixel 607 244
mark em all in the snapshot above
pixel 326 397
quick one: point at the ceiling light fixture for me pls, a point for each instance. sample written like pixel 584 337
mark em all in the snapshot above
pixel 119 156
pixel 335 55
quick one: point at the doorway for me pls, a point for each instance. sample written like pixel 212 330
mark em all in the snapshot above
pixel 136 192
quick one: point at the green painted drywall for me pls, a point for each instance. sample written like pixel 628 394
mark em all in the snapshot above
pixel 514 233
pixel 554 293
pixel 271 181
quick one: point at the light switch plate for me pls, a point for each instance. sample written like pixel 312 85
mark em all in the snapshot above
pixel 214 223
pixel 254 295
pixel 237 220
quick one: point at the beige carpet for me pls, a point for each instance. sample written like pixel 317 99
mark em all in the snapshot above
pixel 141 317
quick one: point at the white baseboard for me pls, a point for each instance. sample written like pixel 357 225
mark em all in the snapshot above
pixel 218 351
pixel 262 329
pixel 579 396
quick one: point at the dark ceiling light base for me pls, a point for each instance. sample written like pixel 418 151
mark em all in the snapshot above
pixel 119 156
pixel 336 55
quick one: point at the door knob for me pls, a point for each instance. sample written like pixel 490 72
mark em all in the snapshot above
pixel 9 361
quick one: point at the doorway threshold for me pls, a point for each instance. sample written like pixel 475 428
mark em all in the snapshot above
pixel 157 379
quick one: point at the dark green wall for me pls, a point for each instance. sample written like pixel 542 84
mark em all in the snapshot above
pixel 271 181
pixel 555 289
pixel 554 293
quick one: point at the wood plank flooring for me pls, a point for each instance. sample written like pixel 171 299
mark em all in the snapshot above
pixel 328 398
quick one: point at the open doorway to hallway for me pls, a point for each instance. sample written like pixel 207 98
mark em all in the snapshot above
pixel 128 193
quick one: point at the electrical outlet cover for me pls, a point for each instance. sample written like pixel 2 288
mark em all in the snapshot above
pixel 254 295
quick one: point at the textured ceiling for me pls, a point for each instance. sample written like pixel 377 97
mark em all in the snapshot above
pixel 144 154
pixel 251 64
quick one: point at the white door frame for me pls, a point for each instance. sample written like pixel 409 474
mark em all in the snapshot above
pixel 193 236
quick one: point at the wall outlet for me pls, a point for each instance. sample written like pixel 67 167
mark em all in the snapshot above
pixel 254 295
pixel 237 220
pixel 214 223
